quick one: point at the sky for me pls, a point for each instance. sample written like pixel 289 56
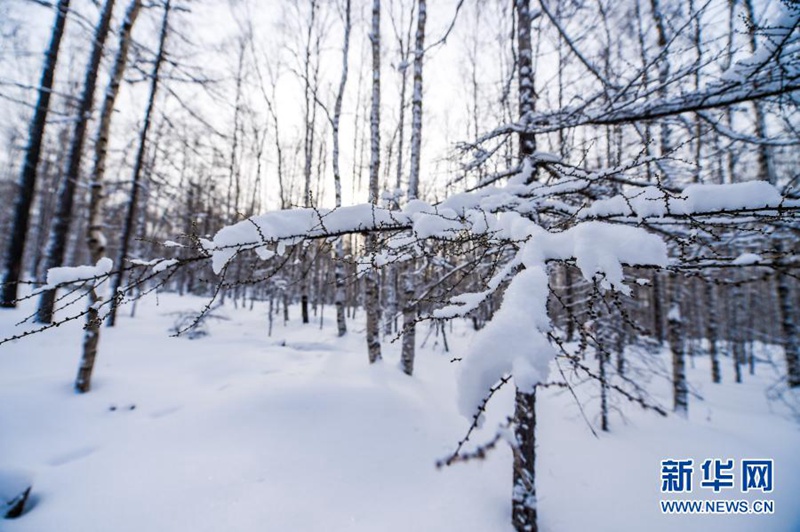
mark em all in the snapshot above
pixel 205 45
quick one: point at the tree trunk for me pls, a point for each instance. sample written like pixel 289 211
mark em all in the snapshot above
pixel 234 178
pixel 27 182
pixel 59 228
pixel 602 360
pixel 788 317
pixel 711 331
pixel 738 335
pixel 371 289
pixel 409 295
pixel 663 78
pixel 766 166
pixel 658 318
pixel 130 216
pixel 527 96
pixel 524 512
pixel 524 503
pixel 409 320
pixel 338 269
pixel 675 331
pixel 569 302
pixel 95 239
pixel 308 147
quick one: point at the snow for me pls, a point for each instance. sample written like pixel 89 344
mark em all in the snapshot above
pixel 163 264
pixel 747 259
pixel 521 323
pixel 71 274
pixel 142 262
pixel 233 432
pixel 601 249
pixel 771 69
pixel 747 195
pixel 498 212
pixel 461 304
pixel 519 326
pixel 291 226
pixel 238 432
pixel 545 157
pixel 650 202
pixel 158 265
pixel 443 222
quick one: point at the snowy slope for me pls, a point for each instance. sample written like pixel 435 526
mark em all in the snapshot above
pixel 236 431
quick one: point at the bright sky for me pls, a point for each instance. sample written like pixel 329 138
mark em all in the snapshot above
pixel 206 45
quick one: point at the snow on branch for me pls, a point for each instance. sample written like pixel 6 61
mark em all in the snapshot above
pixel 773 70
pixel 521 323
pixel 292 226
pixel 694 200
pixel 511 215
pixel 73 274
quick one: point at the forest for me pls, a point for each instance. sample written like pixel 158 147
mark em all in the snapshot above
pixel 389 264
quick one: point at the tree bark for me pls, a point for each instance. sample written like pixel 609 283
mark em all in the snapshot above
pixel 234 177
pixel 712 331
pixel 658 316
pixel 527 95
pixel 766 165
pixel 524 503
pixel 791 339
pixel 675 332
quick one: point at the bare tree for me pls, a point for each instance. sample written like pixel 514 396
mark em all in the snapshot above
pixel 339 298
pixel 310 85
pixel 524 504
pixel 130 213
pixel 371 288
pixel 59 229
pixel 95 237
pixel 409 306
pixel 27 180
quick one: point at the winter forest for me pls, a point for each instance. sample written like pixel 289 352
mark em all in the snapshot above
pixel 392 265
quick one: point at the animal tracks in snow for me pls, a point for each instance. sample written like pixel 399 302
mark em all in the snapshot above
pixel 71 456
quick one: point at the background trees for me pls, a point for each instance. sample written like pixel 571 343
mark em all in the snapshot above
pixel 27 183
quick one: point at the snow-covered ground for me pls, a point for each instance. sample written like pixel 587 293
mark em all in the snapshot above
pixel 243 432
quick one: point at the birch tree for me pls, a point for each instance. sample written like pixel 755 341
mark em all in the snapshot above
pixel 409 307
pixel 371 288
pixel 59 229
pixel 310 79
pixel 339 279
pixel 95 236
pixel 27 182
